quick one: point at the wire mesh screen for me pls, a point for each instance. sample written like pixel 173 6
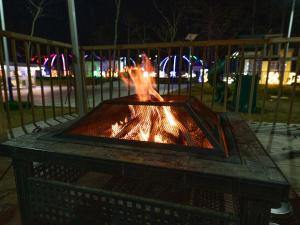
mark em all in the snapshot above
pixel 122 200
pixel 152 123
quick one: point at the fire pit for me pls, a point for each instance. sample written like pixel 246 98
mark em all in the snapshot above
pixel 146 159
pixel 147 118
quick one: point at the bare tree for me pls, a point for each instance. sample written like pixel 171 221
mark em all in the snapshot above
pixel 208 19
pixel 172 20
pixel 253 17
pixel 160 31
pixel 141 32
pixel 36 9
pixel 118 6
pixel 131 23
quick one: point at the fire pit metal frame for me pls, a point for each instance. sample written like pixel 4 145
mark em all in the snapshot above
pixel 256 180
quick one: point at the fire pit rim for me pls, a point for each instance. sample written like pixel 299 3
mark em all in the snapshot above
pixel 216 154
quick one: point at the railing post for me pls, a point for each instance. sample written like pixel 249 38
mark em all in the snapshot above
pixel 79 77
pixel 3 127
pixel 6 56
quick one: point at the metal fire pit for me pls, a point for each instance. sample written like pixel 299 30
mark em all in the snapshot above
pixel 66 176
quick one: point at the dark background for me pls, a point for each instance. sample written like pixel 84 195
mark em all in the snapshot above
pixel 141 22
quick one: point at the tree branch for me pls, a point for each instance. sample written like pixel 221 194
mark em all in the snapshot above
pixel 33 4
pixel 161 13
pixel 36 16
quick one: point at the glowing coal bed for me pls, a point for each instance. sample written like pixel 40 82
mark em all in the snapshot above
pixel 124 122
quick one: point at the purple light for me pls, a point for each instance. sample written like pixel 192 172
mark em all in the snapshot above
pixel 52 61
pixel 46 60
pixel 54 56
pixel 63 60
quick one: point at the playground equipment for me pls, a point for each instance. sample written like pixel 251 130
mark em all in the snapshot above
pixel 216 76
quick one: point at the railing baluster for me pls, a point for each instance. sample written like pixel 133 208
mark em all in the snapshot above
pixel 180 70
pixel 3 128
pixel 14 56
pixel 73 81
pixel 281 75
pixel 239 85
pixel 30 93
pixel 6 105
pixel 158 69
pixel 270 53
pixel 110 76
pixel 227 72
pixel 101 74
pixel 128 67
pixel 58 68
pixel 67 74
pixel 119 69
pixel 84 79
pixel 93 77
pixel 215 77
pixel 51 83
pixel 203 71
pixel 38 48
pixel 188 75
pixel 191 70
pixel 292 98
pixel 168 70
pixel 114 67
pixel 253 81
pixel 149 57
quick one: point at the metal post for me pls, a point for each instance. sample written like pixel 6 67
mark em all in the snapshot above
pixel 3 125
pixel 79 78
pixel 6 56
pixel 291 19
pixel 190 58
pixel 288 44
pixel 190 37
pixel 290 25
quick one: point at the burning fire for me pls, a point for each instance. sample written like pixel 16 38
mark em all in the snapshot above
pixel 148 122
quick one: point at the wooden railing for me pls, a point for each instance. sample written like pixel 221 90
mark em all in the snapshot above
pixel 35 94
pixel 264 57
pixel 252 65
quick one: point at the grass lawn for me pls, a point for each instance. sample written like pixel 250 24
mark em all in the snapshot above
pixel 39 115
pixel 270 103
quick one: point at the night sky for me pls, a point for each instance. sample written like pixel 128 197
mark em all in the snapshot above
pixel 140 22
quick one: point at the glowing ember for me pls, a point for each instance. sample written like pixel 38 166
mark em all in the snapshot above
pixel 149 123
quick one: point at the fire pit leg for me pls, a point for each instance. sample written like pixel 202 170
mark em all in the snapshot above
pixel 254 212
pixel 22 170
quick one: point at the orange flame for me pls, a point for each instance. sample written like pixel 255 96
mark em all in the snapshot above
pixel 148 122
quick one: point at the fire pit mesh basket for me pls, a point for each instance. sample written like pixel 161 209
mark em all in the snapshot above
pixel 121 200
